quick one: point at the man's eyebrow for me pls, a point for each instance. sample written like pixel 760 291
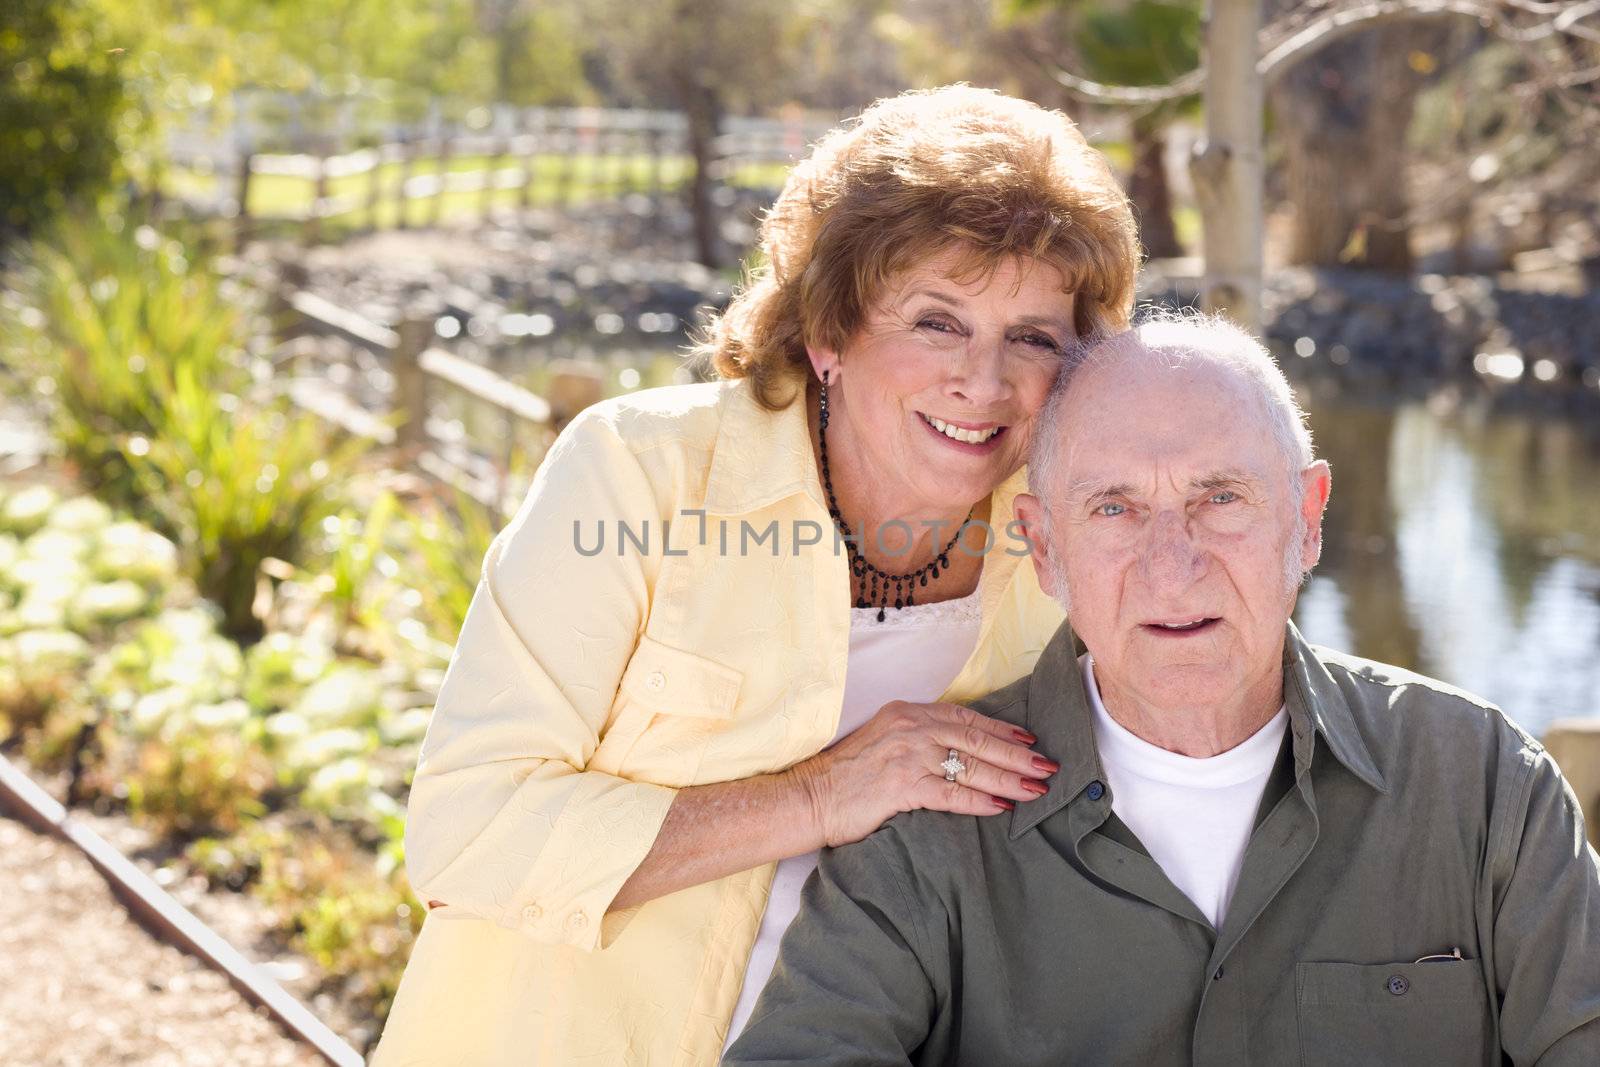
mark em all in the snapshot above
pixel 1096 489
pixel 1230 476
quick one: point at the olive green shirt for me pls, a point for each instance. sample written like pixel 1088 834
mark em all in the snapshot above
pixel 1405 820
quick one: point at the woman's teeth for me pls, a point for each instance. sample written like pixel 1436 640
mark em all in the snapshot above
pixel 956 433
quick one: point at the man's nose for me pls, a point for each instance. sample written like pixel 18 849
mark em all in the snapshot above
pixel 1171 557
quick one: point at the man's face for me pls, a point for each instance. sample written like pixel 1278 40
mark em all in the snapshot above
pixel 1173 529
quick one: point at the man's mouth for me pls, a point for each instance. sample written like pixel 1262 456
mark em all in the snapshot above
pixel 1181 627
pixel 980 434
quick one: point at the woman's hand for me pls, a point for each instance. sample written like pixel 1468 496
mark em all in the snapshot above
pixel 891 765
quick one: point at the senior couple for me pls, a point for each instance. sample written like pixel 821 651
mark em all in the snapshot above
pixel 1167 831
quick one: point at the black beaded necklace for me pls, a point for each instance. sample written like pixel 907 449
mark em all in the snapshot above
pixel 878 581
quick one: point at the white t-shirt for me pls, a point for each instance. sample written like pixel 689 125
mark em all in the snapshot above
pixel 913 654
pixel 1194 816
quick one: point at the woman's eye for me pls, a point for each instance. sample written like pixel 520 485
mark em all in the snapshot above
pixel 1224 497
pixel 1110 510
pixel 1039 340
pixel 940 325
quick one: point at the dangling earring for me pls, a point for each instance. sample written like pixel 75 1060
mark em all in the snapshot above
pixel 822 401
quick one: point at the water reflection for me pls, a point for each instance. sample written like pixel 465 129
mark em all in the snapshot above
pixel 1464 544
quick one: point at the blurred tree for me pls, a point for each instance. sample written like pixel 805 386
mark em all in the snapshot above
pixel 1340 121
pixel 707 56
pixel 63 103
pixel 1144 42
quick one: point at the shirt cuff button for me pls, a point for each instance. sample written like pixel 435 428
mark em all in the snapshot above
pixel 532 914
pixel 656 682
pixel 577 920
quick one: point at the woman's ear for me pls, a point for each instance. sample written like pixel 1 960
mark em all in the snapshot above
pixel 824 362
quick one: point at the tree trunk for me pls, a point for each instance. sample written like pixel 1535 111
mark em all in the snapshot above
pixel 1151 195
pixel 702 108
pixel 1343 115
pixel 1227 166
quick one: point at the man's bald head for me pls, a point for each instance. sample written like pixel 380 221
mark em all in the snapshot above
pixel 1168 341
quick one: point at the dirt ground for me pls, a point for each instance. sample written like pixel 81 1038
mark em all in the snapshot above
pixel 82 983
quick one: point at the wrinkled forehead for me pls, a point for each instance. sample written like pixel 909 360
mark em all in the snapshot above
pixel 1131 414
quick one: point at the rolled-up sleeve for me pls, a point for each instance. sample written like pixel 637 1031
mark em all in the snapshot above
pixel 504 821
pixel 1547 925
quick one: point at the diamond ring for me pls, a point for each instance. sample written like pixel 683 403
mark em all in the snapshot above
pixel 952 766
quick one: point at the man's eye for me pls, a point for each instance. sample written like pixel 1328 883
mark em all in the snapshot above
pixel 1224 497
pixel 1110 510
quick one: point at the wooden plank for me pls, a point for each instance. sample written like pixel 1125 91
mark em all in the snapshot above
pixel 156 910
pixel 484 384
pixel 325 317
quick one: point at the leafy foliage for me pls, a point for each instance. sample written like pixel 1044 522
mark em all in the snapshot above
pixel 64 101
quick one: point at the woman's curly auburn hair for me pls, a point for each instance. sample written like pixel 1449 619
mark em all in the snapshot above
pixel 913 176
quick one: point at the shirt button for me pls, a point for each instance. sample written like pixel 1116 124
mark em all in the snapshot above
pixel 1398 984
pixel 532 913
pixel 656 682
pixel 1218 976
pixel 577 920
pixel 1096 791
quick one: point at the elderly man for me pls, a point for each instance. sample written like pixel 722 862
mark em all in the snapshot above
pixel 1257 851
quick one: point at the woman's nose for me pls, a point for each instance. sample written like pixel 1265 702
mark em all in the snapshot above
pixel 978 377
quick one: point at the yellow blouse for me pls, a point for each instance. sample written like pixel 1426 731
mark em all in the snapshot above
pixel 704 641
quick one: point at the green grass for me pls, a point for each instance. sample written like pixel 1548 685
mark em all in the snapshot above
pixel 556 179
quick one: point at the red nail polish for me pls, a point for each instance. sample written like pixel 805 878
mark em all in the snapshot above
pixel 1003 804
pixel 1026 738
pixel 1036 787
pixel 1046 766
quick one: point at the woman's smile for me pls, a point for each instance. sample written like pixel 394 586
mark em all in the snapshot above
pixel 973 439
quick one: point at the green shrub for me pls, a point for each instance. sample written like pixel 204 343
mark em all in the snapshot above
pixel 240 486
pixel 63 99
pixel 449 547
pixel 112 313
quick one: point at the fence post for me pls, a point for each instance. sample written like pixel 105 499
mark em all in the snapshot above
pixel 241 193
pixel 319 200
pixel 1575 746
pixel 375 187
pixel 292 277
pixel 410 384
pixel 444 173
pixel 491 177
pixel 406 152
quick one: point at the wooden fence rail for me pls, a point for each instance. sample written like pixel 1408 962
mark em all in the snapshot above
pixel 553 156
pixel 418 374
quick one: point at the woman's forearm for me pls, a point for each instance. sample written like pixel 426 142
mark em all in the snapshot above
pixel 712 831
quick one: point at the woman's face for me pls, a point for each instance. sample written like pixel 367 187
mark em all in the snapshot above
pixel 933 399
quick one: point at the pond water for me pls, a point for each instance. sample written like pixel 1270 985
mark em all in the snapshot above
pixel 1464 543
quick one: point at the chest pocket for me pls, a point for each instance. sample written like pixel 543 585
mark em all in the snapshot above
pixel 671 703
pixel 1393 1013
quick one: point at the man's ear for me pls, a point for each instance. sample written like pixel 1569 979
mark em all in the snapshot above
pixel 1029 510
pixel 1316 482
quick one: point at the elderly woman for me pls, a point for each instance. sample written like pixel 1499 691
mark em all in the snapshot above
pixel 734 622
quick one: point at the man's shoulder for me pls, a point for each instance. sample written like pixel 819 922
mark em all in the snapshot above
pixel 1009 703
pixel 1395 704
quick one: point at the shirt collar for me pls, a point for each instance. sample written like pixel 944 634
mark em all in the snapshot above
pixel 761 456
pixel 1059 715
